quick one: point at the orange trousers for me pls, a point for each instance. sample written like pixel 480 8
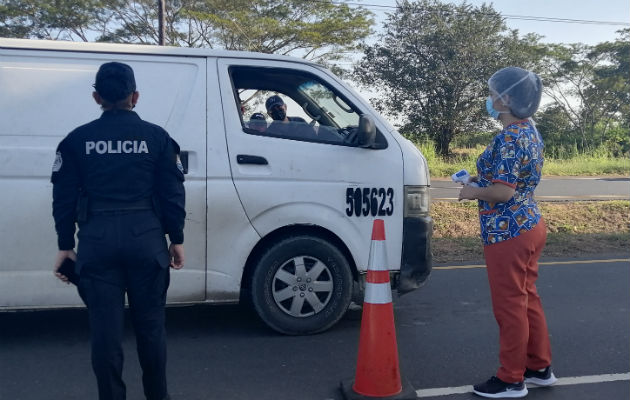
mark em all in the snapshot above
pixel 512 272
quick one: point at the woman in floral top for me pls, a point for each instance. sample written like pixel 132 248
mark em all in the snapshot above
pixel 513 233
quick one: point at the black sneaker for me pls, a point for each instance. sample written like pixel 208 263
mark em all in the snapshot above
pixel 540 378
pixel 495 388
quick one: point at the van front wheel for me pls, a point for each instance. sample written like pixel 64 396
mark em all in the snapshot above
pixel 301 285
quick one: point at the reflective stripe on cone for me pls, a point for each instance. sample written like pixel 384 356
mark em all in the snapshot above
pixel 378 293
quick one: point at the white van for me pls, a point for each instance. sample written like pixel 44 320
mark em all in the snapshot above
pixel 279 214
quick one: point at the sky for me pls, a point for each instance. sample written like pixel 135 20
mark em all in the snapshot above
pixel 553 32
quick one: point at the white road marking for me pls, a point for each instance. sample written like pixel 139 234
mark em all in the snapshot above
pixel 443 391
pixel 576 380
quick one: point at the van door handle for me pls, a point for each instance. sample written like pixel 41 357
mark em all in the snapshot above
pixel 248 159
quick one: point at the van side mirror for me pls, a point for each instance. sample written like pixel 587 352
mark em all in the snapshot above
pixel 366 131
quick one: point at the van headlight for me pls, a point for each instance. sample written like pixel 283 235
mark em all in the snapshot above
pixel 417 201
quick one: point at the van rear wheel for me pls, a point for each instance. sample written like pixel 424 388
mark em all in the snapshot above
pixel 301 285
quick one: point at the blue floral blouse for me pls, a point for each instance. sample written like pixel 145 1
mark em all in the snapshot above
pixel 514 158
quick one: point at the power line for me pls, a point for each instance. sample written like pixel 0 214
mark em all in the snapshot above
pixel 506 16
pixel 564 20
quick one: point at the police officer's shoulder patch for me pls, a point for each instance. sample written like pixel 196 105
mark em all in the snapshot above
pixel 58 162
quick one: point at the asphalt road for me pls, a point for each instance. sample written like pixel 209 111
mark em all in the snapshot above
pixel 553 189
pixel 447 340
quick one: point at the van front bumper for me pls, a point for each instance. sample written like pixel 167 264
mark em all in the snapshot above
pixel 415 266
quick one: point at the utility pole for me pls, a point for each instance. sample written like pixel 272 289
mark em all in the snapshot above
pixel 161 24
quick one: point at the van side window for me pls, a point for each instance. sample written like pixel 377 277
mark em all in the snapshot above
pixel 301 107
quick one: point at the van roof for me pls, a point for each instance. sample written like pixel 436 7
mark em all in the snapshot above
pixel 61 45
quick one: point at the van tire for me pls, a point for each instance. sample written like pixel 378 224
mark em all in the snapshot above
pixel 315 302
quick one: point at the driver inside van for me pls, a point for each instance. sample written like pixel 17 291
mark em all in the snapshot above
pixel 295 127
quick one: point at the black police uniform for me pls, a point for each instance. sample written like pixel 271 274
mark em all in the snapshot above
pixel 119 177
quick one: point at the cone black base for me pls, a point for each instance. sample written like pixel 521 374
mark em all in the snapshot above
pixel 408 392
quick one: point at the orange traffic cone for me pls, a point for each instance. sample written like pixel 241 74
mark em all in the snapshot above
pixel 378 373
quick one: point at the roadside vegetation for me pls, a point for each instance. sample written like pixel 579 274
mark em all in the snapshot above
pixel 596 162
pixel 575 229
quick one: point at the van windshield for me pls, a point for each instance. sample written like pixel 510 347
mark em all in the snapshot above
pixel 341 114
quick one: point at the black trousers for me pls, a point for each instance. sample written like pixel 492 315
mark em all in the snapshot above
pixel 124 252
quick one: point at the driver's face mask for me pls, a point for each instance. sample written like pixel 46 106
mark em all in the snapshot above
pixel 277 113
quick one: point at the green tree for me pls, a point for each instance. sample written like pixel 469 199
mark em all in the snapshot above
pixel 567 77
pixel 432 63
pixel 320 30
pixel 52 19
pixel 557 131
pixel 610 92
pixel 589 85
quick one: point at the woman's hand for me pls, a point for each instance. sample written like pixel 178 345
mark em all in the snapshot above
pixel 468 193
pixel 495 193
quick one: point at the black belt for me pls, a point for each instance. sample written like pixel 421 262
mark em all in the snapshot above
pixel 98 206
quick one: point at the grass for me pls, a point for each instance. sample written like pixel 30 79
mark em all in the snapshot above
pixel 574 229
pixel 587 166
pixel 465 158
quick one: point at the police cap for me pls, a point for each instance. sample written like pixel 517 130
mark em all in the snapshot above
pixel 115 81
pixel 257 116
pixel 273 101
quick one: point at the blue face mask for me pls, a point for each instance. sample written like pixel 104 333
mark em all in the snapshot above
pixel 491 111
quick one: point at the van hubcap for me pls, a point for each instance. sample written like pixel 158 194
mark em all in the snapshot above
pixel 302 286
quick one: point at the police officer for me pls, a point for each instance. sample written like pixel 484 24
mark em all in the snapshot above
pixel 120 179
